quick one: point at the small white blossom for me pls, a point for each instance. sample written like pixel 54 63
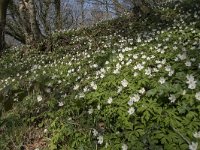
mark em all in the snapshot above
pixel 95 132
pixel 193 146
pixel 139 40
pixel 192 85
pixel 139 67
pixel 124 147
pixel 95 65
pixel 81 95
pixel 162 80
pixel 148 71
pixel 184 92
pixel 110 100
pixel 39 98
pixel 197 96
pixel 182 56
pixel 93 85
pixel 98 107
pixel 76 87
pixel 130 102
pixel 172 98
pixel 118 66
pixel 191 82
pixel 124 83
pixel 135 74
pixel 197 134
pixel 60 104
pixel 131 110
pixel 168 68
pixel 100 139
pixel 159 66
pixel 142 91
pixel 135 98
pixel 106 146
pixel 171 72
pixel 90 111
pixel 119 89
pixel 135 56
pixel 116 71
pixel 188 64
pixel 45 130
pixel 155 70
pixel 85 89
pixel 121 57
pixel 190 77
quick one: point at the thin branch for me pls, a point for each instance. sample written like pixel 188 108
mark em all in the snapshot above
pixel 184 138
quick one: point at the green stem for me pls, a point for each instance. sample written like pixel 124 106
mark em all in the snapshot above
pixel 184 138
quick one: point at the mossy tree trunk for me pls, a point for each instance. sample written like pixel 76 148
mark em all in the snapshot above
pixel 57 4
pixel 3 9
pixel 35 29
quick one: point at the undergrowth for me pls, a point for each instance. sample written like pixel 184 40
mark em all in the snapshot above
pixel 128 83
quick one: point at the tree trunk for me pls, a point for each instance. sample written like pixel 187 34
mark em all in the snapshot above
pixel 3 9
pixel 118 7
pixel 35 29
pixel 24 18
pixel 107 9
pixel 44 8
pixel 82 2
pixel 140 7
pixel 57 4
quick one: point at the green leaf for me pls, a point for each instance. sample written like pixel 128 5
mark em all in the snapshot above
pixel 151 92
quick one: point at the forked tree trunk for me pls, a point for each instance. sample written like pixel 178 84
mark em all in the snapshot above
pixel 3 9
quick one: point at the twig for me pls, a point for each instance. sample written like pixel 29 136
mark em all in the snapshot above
pixel 181 135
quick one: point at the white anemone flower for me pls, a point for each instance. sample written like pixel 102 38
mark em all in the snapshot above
pixel 124 83
pixel 124 147
pixel 193 146
pixel 131 110
pixel 110 100
pixel 197 134
pixel 197 96
pixel 100 139
pixel 162 80
pixel 39 98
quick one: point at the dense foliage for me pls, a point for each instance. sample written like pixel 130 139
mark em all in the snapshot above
pixel 122 84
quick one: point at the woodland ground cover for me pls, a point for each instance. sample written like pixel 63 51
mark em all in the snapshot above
pixel 122 84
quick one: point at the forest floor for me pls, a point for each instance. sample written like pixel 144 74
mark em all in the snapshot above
pixel 128 83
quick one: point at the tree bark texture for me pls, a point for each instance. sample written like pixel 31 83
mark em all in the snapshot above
pixel 118 7
pixel 3 9
pixel 58 14
pixel 33 21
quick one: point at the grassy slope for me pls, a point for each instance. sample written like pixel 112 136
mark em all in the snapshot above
pixel 140 52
